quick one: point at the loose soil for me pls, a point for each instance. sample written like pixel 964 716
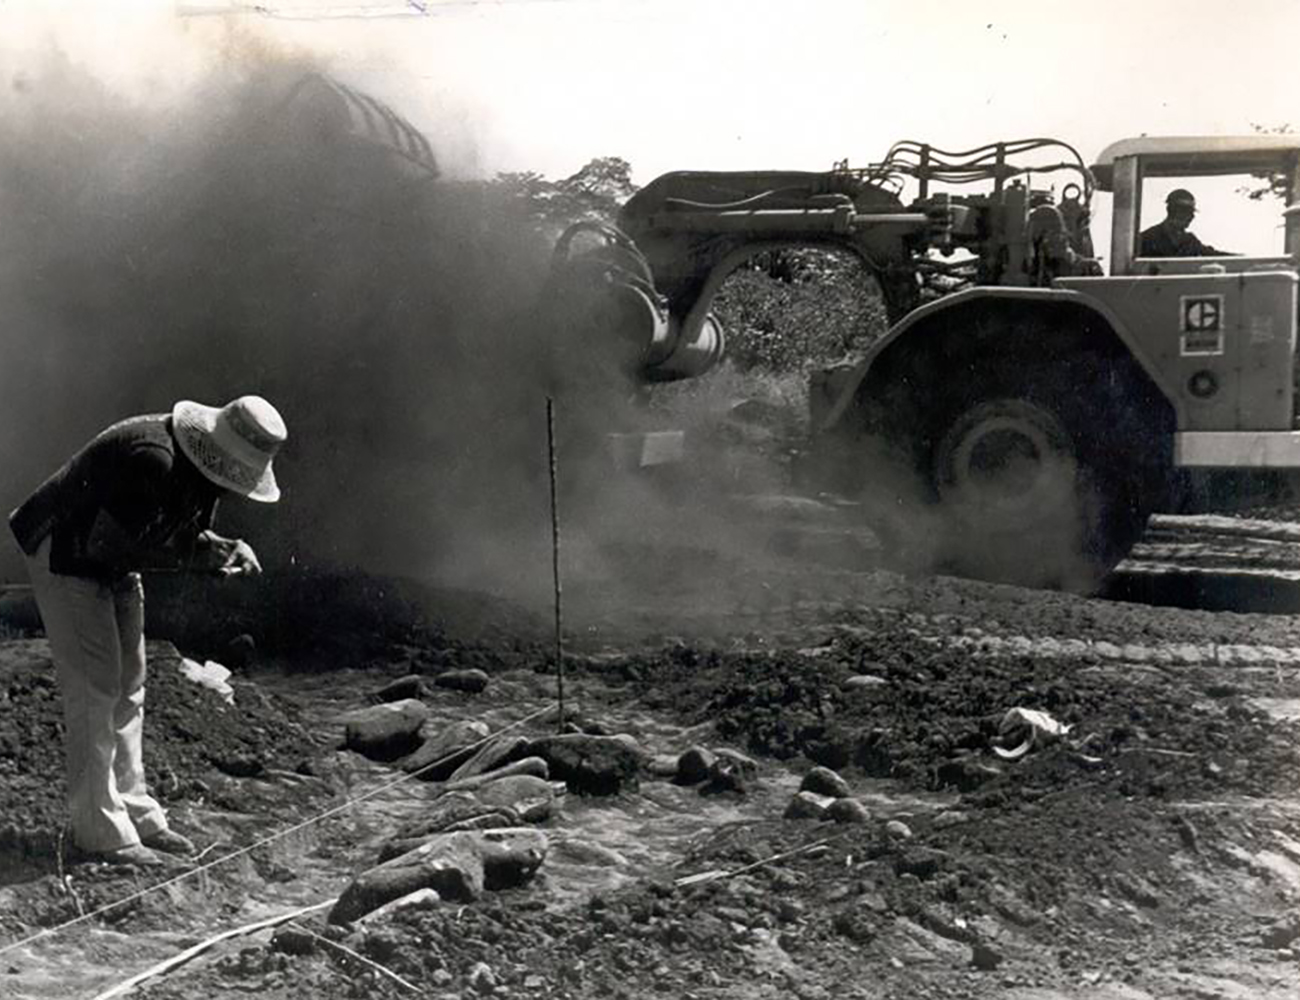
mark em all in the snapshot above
pixel 1152 852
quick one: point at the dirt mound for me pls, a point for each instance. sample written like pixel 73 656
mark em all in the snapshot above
pixel 891 706
pixel 190 732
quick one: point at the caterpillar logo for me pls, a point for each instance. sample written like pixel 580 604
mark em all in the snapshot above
pixel 1200 325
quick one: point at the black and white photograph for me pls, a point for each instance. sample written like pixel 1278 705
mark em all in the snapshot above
pixel 637 499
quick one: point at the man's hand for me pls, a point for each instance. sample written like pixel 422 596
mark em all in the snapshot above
pixel 226 556
pixel 241 561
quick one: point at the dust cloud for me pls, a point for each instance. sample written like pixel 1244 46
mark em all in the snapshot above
pixel 226 244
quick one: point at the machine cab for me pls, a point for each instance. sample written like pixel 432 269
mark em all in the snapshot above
pixel 1218 330
pixel 1125 167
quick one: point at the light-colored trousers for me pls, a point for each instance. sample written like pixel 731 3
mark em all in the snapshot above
pixel 96 634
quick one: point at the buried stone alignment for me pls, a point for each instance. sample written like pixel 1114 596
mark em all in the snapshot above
pixel 922 882
pixel 458 866
pixel 1052 874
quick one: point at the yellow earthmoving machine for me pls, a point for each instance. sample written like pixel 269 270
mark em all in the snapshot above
pixel 1026 412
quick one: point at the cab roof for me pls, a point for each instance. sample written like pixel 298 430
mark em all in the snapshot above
pixel 1196 155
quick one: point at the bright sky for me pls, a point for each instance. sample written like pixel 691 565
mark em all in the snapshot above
pixel 744 84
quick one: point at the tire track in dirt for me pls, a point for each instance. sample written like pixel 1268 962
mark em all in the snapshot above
pixel 951 632
pixel 1160 654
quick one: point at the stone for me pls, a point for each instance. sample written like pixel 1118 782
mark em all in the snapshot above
pixel 241 652
pixel 864 682
pixel 1187 833
pixel 385 732
pixel 965 774
pixel 693 765
pixel 292 941
pixel 439 756
pixel 573 715
pixel 534 766
pixel 918 945
pixel 1138 890
pixel 726 775
pixel 921 862
pixel 479 821
pixel 448 811
pixel 591 765
pixel 737 761
pixel 421 899
pixel 1282 934
pixel 824 781
pixel 578 851
pixel 238 765
pixel 492 755
pixel 472 681
pixel 808 805
pixel 410 686
pixel 395 847
pixel 848 811
pixel 497 820
pixel 663 766
pixel 788 911
pixel 1222 689
pixel 529 797
pixel 460 867
pixel 858 926
pixel 898 830
pixel 511 857
pixel 482 979
pixel 985 958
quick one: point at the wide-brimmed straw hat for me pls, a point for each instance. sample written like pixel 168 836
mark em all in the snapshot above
pixel 233 445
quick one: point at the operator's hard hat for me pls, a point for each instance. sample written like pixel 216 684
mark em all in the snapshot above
pixel 1181 198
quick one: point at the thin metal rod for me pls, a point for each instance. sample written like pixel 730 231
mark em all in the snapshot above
pixel 555 561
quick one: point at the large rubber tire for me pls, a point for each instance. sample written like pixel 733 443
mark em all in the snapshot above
pixel 1027 449
pixel 1024 495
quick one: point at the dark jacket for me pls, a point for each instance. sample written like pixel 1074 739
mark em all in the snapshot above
pixel 129 500
pixel 1162 241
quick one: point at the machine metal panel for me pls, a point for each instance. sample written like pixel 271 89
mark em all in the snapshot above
pixel 1223 342
pixel 1237 449
pixel 1177 156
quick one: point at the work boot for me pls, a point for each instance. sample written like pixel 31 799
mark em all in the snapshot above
pixel 131 854
pixel 169 842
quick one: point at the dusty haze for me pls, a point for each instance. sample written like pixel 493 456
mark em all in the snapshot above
pixel 208 247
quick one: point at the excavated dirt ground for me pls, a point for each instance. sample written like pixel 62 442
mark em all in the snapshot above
pixel 1154 852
